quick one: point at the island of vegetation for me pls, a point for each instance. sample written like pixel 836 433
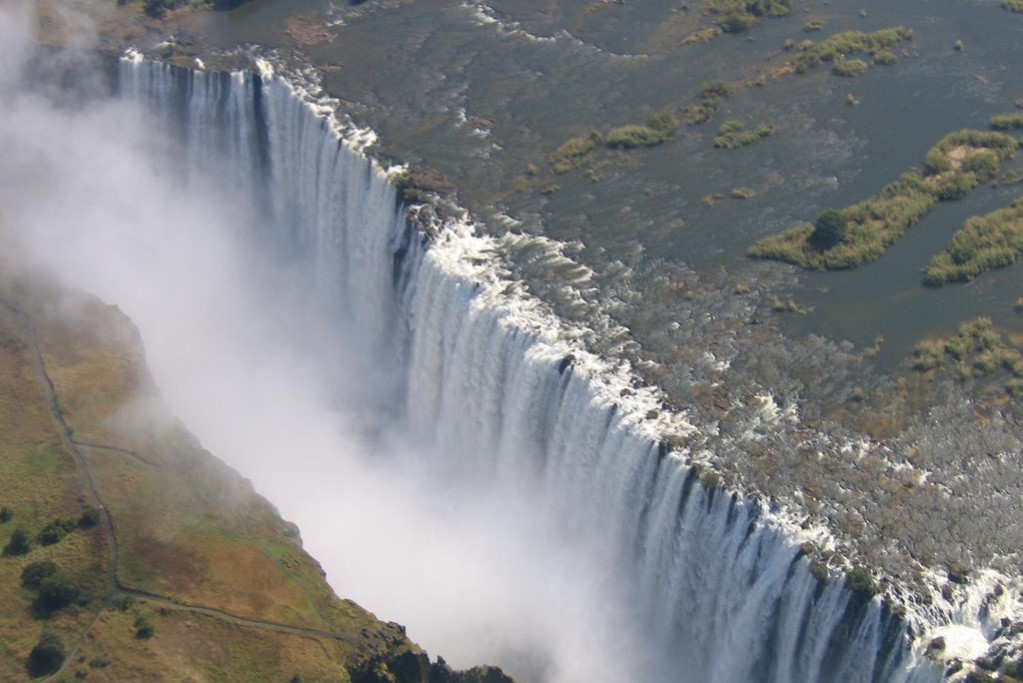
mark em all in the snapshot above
pixel 836 50
pixel 994 240
pixel 578 151
pixel 858 234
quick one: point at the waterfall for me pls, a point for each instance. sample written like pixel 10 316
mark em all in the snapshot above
pixel 717 582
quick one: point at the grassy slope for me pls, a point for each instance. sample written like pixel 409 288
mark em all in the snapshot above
pixel 188 528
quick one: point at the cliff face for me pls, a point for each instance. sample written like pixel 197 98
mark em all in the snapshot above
pixel 139 553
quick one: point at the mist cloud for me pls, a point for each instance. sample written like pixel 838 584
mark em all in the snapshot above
pixel 290 400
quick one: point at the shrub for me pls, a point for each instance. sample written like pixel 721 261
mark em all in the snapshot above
pixel 637 135
pixel 714 89
pixel 55 593
pixel 5 515
pixel 885 57
pixel 860 580
pixel 664 122
pixel 936 162
pixel 47 656
pixel 143 627
pixel 736 22
pixel 699 113
pixel 56 530
pixel 956 186
pixel 19 544
pixel 90 517
pixel 33 575
pixel 571 154
pixel 731 134
pixel 814 25
pixel 984 165
pixel 828 230
pixel 849 67
pixel 1013 5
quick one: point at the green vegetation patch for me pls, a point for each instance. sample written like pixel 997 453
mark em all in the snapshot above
pixel 573 153
pixel 836 49
pixel 735 16
pixel 1013 5
pixel 1007 121
pixel 849 68
pixel 734 134
pixel 711 95
pixel 858 234
pixel 985 242
pixel 656 131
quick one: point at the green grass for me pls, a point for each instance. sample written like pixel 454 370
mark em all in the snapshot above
pixel 952 168
pixel 984 243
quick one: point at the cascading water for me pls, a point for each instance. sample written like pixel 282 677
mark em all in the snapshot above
pixel 717 586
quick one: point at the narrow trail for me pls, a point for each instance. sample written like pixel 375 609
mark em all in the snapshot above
pixel 114 585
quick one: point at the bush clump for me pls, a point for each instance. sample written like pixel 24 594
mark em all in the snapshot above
pixel 861 581
pixel 33 575
pixel 735 16
pixel 635 135
pixel 828 230
pixel 19 544
pixel 5 515
pixel 1013 5
pixel 1007 122
pixel 733 134
pixel 711 95
pixel 55 531
pixel 572 154
pixel 47 656
pixel 849 68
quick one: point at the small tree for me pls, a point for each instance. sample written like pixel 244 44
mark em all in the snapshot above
pixel 19 544
pixel 55 593
pixel 828 230
pixel 47 656
pixel 5 515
